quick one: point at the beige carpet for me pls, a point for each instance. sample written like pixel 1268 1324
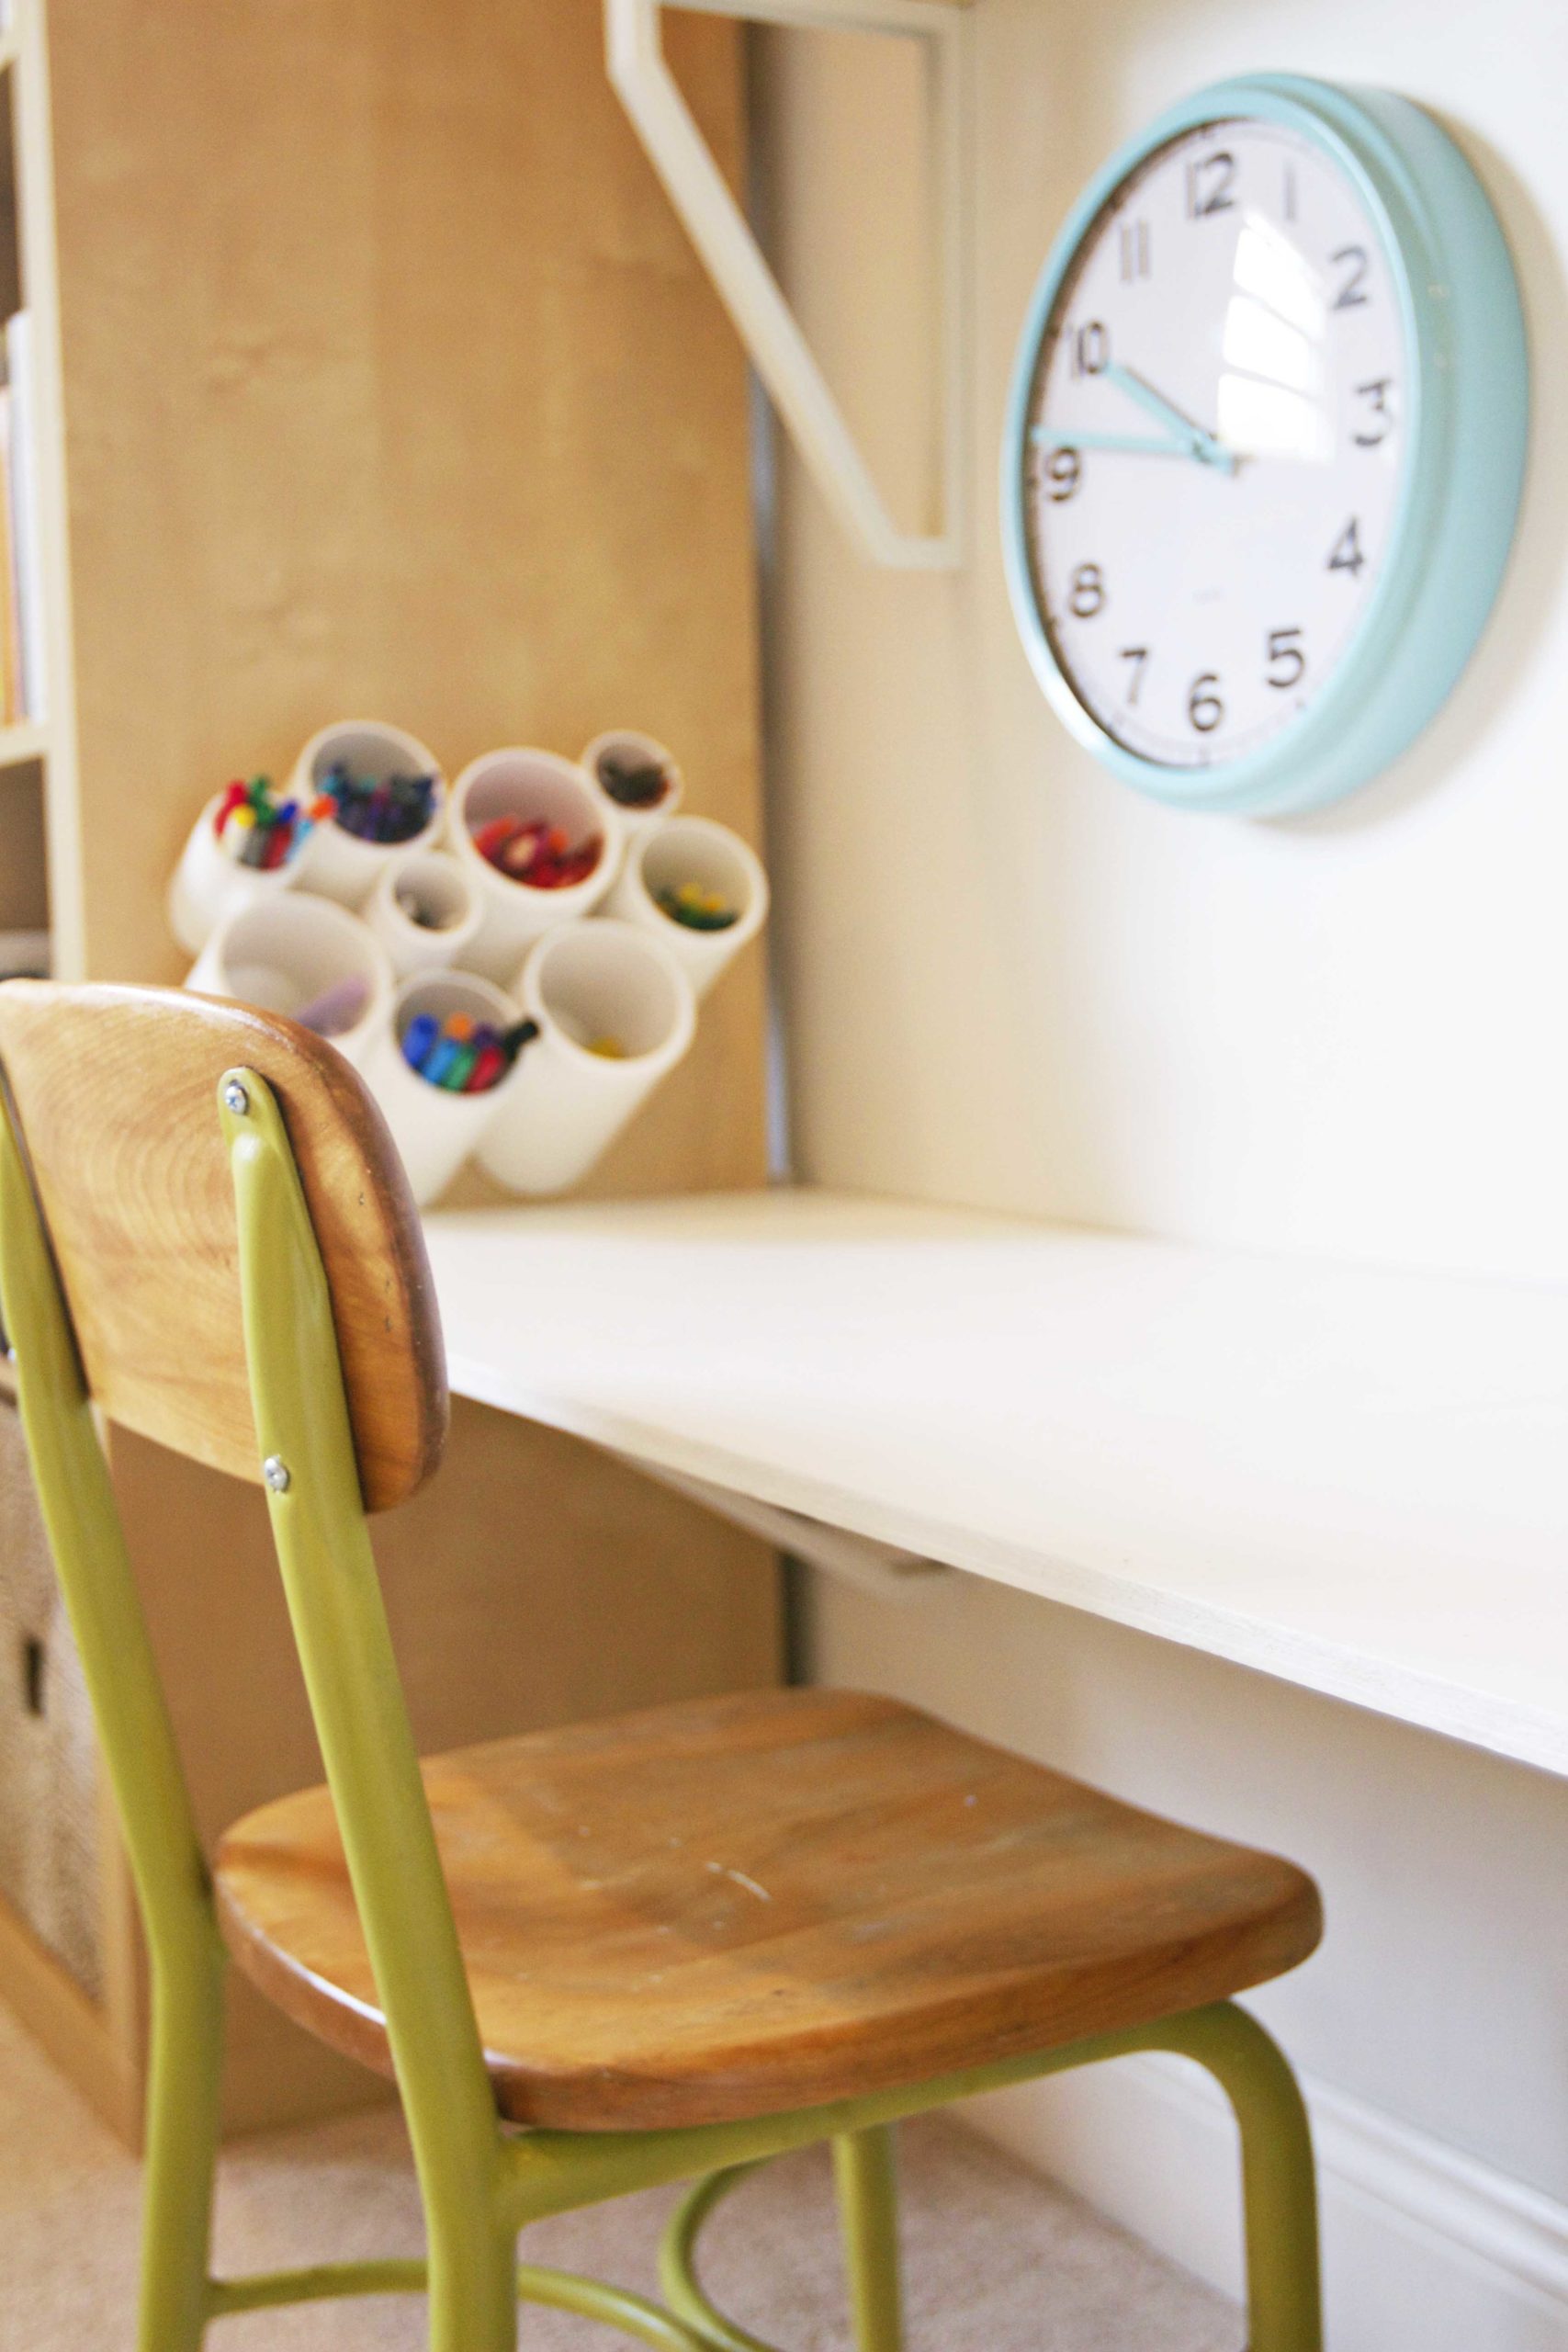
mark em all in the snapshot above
pixel 995 2261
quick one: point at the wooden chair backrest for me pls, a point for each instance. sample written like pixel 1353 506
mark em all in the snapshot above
pixel 114 1091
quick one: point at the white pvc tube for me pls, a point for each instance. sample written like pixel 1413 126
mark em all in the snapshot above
pixel 693 850
pixel 531 785
pixel 207 885
pixel 589 983
pixel 336 863
pixel 290 955
pixel 624 748
pixel 435 1130
pixel 426 912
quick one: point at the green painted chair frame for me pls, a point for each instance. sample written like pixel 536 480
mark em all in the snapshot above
pixel 481 2181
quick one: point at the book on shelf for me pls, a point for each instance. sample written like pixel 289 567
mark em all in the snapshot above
pixel 23 661
pixel 10 647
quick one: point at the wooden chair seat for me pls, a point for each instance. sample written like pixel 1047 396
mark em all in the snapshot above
pixel 740 1906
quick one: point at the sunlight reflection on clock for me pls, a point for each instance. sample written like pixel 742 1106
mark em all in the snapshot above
pixel 1272 340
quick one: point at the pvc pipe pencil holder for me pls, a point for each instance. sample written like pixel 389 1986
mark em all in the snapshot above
pixel 425 911
pixel 531 788
pixel 336 863
pixel 436 1129
pixel 616 1013
pixel 680 880
pixel 208 884
pixel 637 775
pixel 307 958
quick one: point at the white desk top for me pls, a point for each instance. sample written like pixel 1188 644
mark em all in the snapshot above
pixel 1356 1480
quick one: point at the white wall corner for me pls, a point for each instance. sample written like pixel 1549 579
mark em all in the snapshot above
pixel 1425 2249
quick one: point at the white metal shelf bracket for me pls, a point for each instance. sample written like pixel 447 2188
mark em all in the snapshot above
pixel 747 286
pixel 884 1570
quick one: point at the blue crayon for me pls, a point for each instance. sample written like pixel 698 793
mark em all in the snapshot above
pixel 419 1039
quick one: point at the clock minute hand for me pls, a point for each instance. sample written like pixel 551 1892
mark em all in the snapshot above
pixel 1191 437
pixel 1127 445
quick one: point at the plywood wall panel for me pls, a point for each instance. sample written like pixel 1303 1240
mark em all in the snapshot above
pixel 392 387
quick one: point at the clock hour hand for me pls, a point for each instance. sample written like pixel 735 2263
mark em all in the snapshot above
pixel 1188 439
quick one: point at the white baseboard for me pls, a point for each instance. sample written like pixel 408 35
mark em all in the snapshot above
pixel 1425 2249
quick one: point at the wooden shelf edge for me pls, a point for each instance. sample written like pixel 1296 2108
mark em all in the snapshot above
pixel 22 743
pixel 75 2032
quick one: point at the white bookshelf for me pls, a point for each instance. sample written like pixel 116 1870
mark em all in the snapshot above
pixel 52 739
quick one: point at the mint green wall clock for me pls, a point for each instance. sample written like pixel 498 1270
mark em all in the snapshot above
pixel 1264 443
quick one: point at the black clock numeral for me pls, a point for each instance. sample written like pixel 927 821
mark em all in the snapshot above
pixel 1209 184
pixel 1376 394
pixel 1349 554
pixel 1064 471
pixel 1288 205
pixel 1355 261
pixel 1086 597
pixel 1137 655
pixel 1132 242
pixel 1204 707
pixel 1287 662
pixel 1091 349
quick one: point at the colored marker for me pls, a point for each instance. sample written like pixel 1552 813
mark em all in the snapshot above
pixel 490 1067
pixel 418 1038
pixel 442 1055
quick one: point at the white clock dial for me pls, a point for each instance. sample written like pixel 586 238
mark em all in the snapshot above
pixel 1214 444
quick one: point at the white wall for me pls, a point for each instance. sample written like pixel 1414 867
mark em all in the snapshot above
pixel 1009 981
pixel 1338 1033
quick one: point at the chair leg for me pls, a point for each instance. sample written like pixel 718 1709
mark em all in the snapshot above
pixel 1279 2178
pixel 868 2216
pixel 473 2284
pixel 184 2068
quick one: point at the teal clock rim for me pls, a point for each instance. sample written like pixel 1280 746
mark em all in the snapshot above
pixel 1466 427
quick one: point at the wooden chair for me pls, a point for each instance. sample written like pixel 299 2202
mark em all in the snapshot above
pixel 660 1949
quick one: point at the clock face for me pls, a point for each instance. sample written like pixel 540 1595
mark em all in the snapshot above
pixel 1214 444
